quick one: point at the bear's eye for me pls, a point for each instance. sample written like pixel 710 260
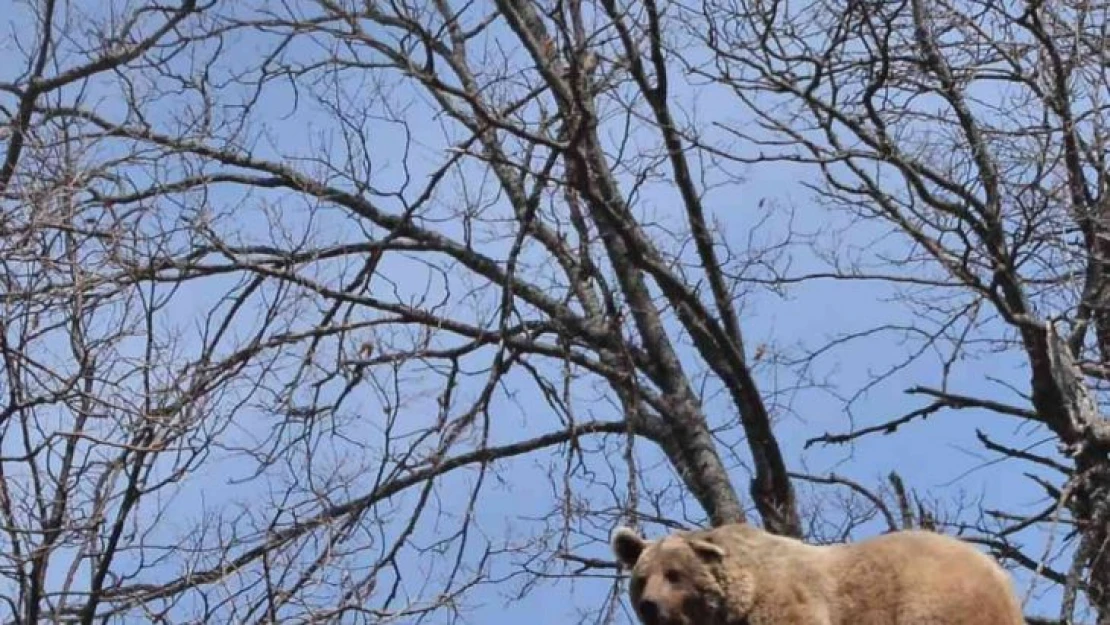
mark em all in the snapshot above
pixel 672 576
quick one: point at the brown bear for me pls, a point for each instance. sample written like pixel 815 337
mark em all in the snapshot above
pixel 741 575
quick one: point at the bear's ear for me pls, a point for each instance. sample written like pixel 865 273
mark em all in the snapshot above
pixel 627 545
pixel 706 550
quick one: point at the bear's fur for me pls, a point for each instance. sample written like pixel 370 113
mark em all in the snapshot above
pixel 741 575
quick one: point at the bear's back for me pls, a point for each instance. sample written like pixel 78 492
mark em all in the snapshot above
pixel 917 577
pixel 911 577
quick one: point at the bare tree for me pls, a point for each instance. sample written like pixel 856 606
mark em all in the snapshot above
pixel 976 132
pixel 301 297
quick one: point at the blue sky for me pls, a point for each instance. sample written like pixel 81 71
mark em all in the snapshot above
pixel 939 458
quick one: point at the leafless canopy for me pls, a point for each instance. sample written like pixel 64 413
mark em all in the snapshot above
pixel 388 311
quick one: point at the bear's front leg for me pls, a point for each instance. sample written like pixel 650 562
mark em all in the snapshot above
pixel 796 613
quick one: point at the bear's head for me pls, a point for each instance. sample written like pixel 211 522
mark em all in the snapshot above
pixel 682 580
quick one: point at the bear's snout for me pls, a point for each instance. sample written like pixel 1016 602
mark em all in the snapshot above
pixel 654 612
